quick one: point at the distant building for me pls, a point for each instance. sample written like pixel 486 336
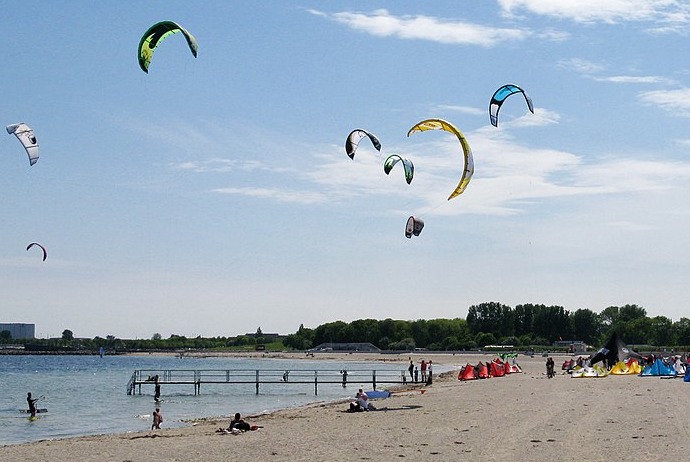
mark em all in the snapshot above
pixel 19 330
pixel 365 347
pixel 575 347
pixel 266 336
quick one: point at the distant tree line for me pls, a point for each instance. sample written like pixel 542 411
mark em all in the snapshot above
pixel 493 323
pixel 69 343
pixel 489 323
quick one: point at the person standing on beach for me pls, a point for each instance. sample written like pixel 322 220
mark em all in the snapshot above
pixel 423 368
pixel 411 370
pixel 430 372
pixel 32 404
pixel 157 419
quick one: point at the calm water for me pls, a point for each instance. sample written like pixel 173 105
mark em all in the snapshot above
pixel 87 395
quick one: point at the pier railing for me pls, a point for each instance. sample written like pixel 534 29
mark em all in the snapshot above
pixel 197 377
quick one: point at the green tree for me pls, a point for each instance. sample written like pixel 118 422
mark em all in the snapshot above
pixel 631 313
pixel 551 323
pixel 612 316
pixel 67 335
pixel 586 326
pixel 303 339
pixel 450 343
pixel 156 336
pixel 522 317
pixel 681 330
pixel 490 317
pixel 483 339
pixel 332 332
pixel 634 331
pixel 384 343
pixel 510 340
pixel 5 336
pixel 420 332
pixel 406 344
pixel 661 332
pixel 365 330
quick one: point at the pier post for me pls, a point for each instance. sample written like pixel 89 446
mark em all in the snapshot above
pixel 316 383
pixel 373 379
pixel 257 381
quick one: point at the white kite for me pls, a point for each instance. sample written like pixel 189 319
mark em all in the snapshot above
pixel 25 135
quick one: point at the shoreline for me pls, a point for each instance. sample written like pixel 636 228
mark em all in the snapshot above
pixel 518 417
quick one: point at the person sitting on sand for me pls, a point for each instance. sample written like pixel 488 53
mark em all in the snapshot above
pixel 362 403
pixel 239 424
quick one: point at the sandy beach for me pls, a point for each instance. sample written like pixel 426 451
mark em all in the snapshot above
pixel 525 417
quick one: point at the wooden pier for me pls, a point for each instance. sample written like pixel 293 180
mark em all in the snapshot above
pixel 197 377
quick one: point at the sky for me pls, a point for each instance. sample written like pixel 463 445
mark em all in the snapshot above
pixel 213 195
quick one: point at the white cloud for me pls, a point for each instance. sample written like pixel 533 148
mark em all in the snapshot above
pixel 590 69
pixel 509 177
pixel 381 23
pixel 210 165
pixel 676 101
pixel 634 79
pixel 222 165
pixel 278 195
pixel 461 109
pixel 608 11
pixel 581 66
pixel 541 117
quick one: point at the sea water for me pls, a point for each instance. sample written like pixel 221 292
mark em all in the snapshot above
pixel 87 395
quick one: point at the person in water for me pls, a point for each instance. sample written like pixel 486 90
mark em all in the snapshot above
pixel 32 404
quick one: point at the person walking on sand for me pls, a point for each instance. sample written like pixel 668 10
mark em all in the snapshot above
pixel 157 419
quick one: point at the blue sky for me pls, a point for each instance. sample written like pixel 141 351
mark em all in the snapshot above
pixel 213 196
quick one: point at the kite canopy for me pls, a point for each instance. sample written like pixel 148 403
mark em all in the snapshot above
pixel 155 35
pixel 355 136
pixel 25 135
pixel 393 159
pixel 614 350
pixel 499 98
pixel 439 124
pixel 659 368
pixel 45 253
pixel 414 226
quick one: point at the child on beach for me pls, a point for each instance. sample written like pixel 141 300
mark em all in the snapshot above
pixel 157 419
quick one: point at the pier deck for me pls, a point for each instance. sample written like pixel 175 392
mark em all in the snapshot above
pixel 196 377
